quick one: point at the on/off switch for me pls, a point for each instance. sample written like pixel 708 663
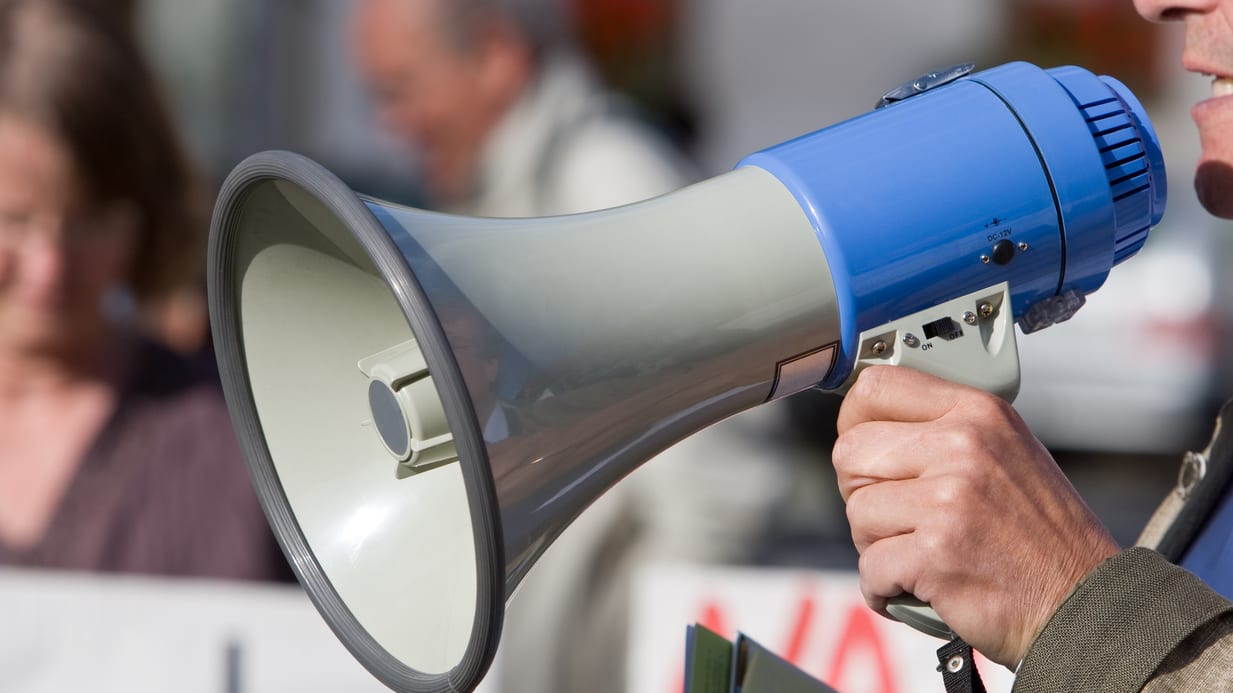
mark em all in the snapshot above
pixel 946 328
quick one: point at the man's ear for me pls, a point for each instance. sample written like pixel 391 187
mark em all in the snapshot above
pixel 506 59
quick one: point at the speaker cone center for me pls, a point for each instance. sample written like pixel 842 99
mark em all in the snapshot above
pixel 389 420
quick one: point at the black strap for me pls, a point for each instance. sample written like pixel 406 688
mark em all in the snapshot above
pixel 958 668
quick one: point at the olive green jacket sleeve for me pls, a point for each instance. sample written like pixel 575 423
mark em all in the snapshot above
pixel 1137 622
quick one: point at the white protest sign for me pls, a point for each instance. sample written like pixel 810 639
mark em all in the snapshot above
pixel 64 631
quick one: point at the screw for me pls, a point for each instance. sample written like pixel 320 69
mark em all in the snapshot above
pixel 1194 468
pixel 985 309
pixel 879 347
pixel 911 340
pixel 955 664
pixel 984 259
pixel 1023 245
pixel 969 317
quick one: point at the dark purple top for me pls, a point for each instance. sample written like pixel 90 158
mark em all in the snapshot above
pixel 163 489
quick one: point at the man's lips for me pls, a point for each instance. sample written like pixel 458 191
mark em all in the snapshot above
pixel 1221 84
pixel 1222 89
pixel 1222 79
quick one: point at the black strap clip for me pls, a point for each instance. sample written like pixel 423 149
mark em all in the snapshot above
pixel 958 666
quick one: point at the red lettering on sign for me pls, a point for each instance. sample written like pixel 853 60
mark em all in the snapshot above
pixel 861 633
pixel 714 619
pixel 800 630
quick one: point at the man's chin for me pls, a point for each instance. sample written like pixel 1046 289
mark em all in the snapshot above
pixel 1213 181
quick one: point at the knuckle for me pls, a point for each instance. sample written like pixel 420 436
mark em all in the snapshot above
pixel 872 600
pixel 930 542
pixel 960 499
pixel 851 452
pixel 867 566
pixel 965 443
pixel 841 452
pixel 939 540
pixel 854 510
pixel 948 492
pixel 870 382
pixel 971 456
pixel 990 408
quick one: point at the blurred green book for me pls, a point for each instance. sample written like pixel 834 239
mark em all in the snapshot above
pixel 708 660
pixel 713 664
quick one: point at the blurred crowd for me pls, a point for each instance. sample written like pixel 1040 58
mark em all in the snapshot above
pixel 119 118
pixel 116 451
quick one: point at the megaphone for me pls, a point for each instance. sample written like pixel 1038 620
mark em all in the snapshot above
pixel 426 401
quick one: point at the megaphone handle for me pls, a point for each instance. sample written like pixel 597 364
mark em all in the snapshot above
pixel 918 614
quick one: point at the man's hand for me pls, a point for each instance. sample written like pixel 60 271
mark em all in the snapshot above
pixel 953 500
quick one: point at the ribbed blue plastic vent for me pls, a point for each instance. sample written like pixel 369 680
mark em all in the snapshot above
pixel 1126 166
pixel 1115 120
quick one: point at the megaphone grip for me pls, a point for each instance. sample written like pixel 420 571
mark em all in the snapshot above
pixel 918 614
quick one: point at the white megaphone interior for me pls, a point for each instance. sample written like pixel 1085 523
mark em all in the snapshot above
pixel 399 554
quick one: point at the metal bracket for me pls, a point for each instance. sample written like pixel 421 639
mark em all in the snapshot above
pixel 924 83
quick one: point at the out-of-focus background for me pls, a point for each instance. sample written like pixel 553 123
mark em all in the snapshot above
pixel 724 78
pixel 1118 393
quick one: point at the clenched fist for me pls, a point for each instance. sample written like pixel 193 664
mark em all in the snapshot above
pixel 953 500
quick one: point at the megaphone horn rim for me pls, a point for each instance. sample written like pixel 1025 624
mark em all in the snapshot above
pixel 352 211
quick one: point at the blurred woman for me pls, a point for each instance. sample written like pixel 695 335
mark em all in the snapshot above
pixel 115 453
